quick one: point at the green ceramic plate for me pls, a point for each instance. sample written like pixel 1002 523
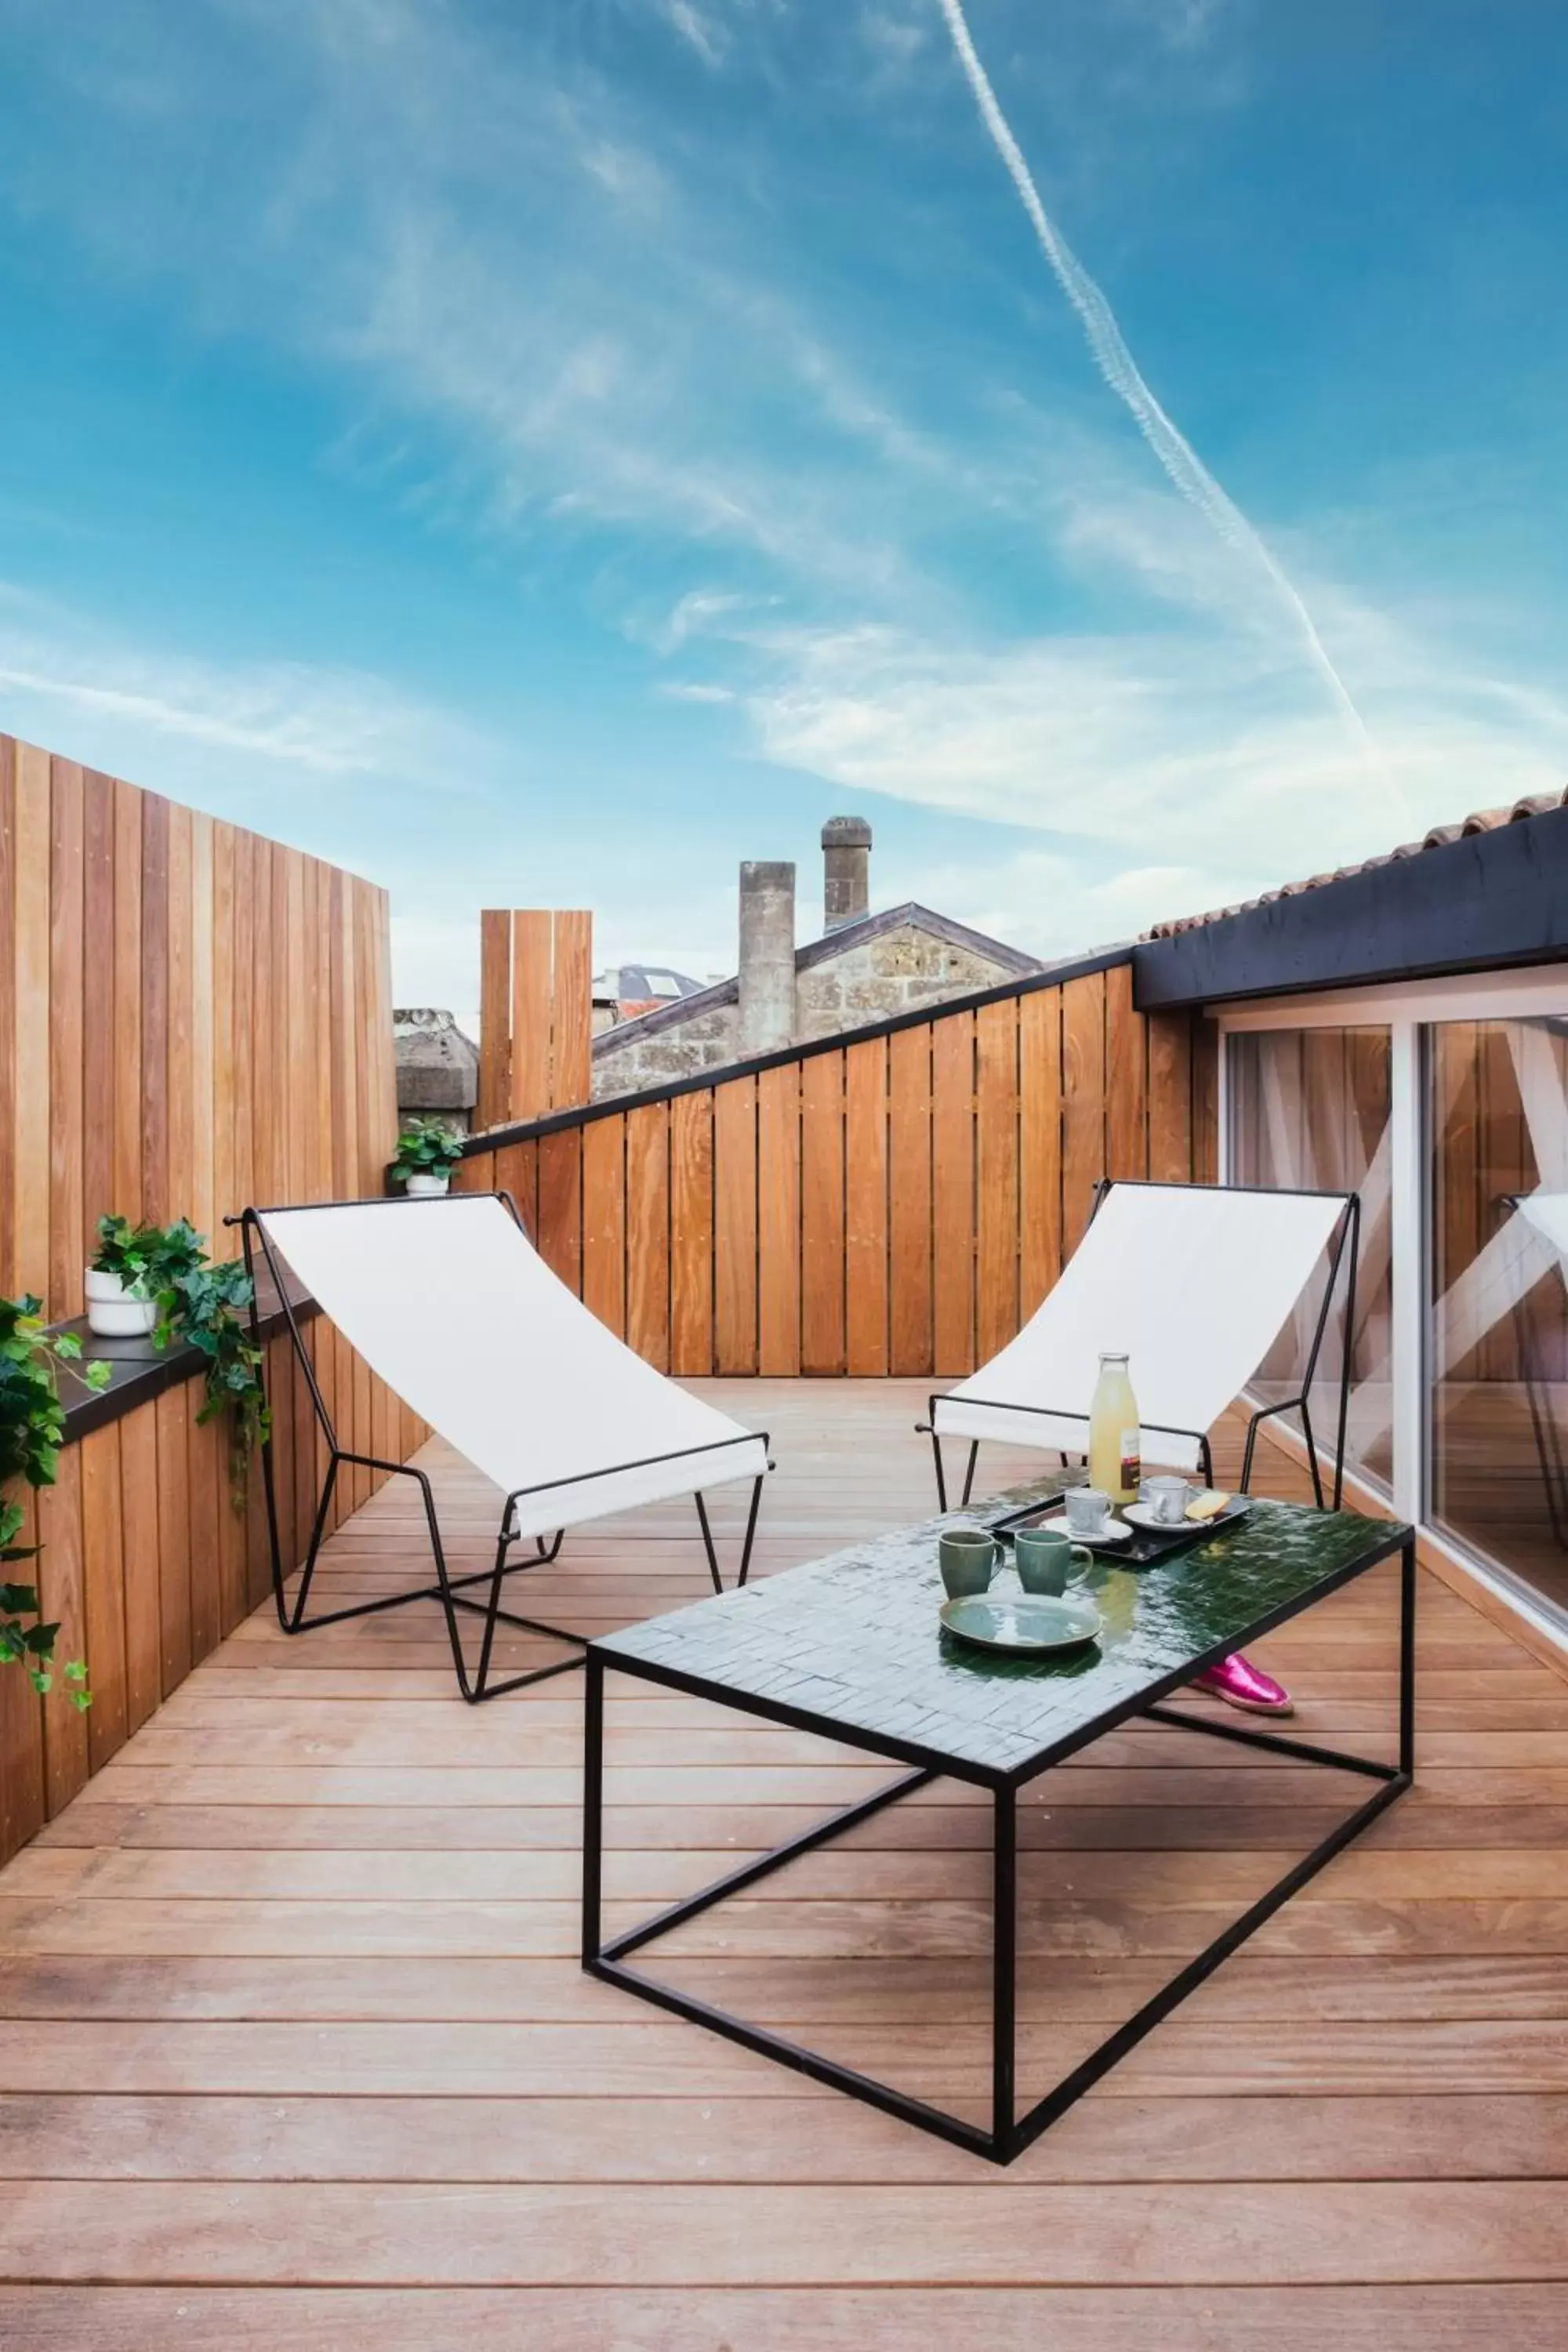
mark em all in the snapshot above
pixel 1022 1623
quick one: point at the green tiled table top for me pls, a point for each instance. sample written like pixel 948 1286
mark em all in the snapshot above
pixel 854 1640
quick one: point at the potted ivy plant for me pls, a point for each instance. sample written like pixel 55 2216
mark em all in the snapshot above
pixel 428 1152
pixel 132 1269
pixel 32 1425
pixel 203 1306
pixel 163 1275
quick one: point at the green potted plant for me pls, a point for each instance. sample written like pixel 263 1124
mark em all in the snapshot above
pixel 428 1152
pixel 32 1424
pixel 132 1269
pixel 161 1276
pixel 204 1305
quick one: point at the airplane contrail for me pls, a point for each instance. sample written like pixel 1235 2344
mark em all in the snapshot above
pixel 1121 372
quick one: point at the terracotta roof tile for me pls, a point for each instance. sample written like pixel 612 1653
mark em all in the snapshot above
pixel 1440 835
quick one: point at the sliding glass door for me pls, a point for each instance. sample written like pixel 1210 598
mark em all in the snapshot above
pixel 1449 1114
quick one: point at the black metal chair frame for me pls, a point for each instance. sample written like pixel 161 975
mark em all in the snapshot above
pixel 1348 1231
pixel 450 1590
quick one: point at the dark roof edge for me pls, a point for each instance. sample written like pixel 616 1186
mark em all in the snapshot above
pixel 923 918
pixel 1050 975
pixel 1482 903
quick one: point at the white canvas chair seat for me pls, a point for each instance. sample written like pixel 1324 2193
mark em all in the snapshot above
pixel 1192 1282
pixel 451 1307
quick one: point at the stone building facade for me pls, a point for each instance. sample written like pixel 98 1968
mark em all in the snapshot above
pixel 437 1067
pixel 865 968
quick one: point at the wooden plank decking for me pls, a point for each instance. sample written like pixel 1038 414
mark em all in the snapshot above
pixel 296 2053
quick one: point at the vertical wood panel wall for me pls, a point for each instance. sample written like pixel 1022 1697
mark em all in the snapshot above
pixel 191 1018
pixel 896 1204
pixel 536 1015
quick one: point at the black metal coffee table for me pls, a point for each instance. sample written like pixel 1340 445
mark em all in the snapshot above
pixel 850 1647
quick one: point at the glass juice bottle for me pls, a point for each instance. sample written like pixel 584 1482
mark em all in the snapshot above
pixel 1115 1464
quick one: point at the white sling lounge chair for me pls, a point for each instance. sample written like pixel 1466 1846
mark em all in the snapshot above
pixel 1194 1281
pixel 448 1303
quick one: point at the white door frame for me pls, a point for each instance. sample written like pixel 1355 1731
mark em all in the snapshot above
pixel 1406 1010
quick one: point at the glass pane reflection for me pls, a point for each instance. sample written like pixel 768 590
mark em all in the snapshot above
pixel 1498 1127
pixel 1309 1108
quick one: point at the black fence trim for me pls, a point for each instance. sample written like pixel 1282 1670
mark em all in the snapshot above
pixel 498 1138
pixel 139 1371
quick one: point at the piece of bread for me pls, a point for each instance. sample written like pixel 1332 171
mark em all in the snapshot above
pixel 1208 1505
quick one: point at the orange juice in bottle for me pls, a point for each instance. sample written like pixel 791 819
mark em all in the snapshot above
pixel 1115 1450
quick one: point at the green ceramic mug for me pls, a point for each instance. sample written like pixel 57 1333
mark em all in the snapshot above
pixel 1044 1556
pixel 967 1556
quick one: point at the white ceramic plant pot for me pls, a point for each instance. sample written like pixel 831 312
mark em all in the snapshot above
pixel 112 1313
pixel 421 1184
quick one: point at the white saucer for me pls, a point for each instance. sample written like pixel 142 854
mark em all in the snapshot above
pixel 1144 1515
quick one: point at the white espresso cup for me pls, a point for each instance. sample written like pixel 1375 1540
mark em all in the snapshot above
pixel 1167 1498
pixel 1088 1509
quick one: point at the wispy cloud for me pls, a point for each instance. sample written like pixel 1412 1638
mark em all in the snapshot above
pixel 327 722
pixel 1113 743
pixel 1120 371
pixel 700 31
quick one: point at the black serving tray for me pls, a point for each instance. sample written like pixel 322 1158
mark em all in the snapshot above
pixel 1147 1545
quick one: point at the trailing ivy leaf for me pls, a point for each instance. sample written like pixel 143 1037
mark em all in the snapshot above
pixel 32 1429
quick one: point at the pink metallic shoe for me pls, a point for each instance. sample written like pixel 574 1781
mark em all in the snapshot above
pixel 1241 1684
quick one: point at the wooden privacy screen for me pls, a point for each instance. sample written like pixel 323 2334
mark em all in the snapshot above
pixel 536 1023
pixel 147 1566
pixel 191 1017
pixel 897 1204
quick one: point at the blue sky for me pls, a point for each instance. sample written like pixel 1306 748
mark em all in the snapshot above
pixel 541 454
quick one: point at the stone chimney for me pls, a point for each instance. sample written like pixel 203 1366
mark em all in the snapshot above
pixel 846 861
pixel 767 956
pixel 438 1066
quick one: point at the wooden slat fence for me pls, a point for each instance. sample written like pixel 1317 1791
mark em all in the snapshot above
pixel 896 1203
pixel 191 1017
pixel 536 1016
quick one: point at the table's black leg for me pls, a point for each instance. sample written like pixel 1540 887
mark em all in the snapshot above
pixel 1003 1972
pixel 1408 1659
pixel 593 1805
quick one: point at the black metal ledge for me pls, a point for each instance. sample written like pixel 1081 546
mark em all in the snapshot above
pixel 1494 899
pixel 139 1371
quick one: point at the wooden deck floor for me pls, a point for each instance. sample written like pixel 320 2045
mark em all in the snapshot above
pixel 296 2053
